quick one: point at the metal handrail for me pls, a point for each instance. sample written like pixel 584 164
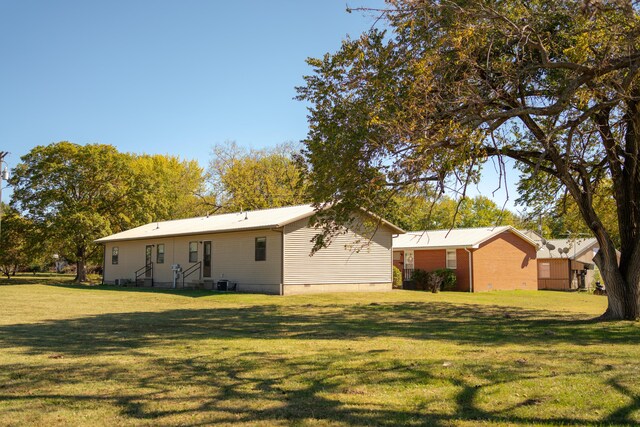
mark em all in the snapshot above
pixel 189 271
pixel 143 271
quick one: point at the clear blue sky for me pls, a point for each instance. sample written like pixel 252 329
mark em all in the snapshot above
pixel 168 77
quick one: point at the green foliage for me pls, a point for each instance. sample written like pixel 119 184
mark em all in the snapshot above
pixel 397 278
pixel 434 281
pixel 420 278
pixel 74 194
pixel 550 84
pixel 167 187
pixel 14 247
pixel 448 278
pixel 255 179
pixel 417 213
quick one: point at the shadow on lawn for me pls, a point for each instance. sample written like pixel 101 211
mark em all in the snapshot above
pixel 190 293
pixel 456 323
pixel 242 391
pixel 294 388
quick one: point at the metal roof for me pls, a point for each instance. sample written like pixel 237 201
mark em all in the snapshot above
pixel 454 238
pixel 237 221
pixel 577 247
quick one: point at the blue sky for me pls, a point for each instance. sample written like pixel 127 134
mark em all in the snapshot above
pixel 168 77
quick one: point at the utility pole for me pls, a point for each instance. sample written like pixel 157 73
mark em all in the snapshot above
pixel 4 175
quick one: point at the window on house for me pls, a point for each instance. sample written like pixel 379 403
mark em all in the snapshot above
pixel 397 256
pixel 114 255
pixel 544 270
pixel 160 253
pixel 452 262
pixel 261 248
pixel 193 251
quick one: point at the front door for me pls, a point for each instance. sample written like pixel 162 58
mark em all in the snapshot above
pixel 206 260
pixel 148 250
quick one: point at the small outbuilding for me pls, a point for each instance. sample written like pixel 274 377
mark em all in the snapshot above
pixel 265 251
pixel 484 259
pixel 566 264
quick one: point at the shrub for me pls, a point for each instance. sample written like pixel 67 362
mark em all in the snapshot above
pixel 397 278
pixel 449 279
pixel 421 279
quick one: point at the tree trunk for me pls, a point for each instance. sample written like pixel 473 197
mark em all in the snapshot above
pixel 81 268
pixel 622 289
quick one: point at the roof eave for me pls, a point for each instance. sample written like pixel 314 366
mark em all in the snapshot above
pixel 198 233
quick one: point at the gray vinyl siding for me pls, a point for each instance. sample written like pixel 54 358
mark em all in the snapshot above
pixel 337 264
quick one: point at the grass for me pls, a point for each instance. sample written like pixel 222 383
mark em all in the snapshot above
pixel 79 355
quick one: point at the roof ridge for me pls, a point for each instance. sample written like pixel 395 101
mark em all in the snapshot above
pixel 461 229
pixel 225 213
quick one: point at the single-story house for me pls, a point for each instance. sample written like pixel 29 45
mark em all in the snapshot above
pixel 265 251
pixel 484 259
pixel 566 264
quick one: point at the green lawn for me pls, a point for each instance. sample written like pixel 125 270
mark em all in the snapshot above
pixel 107 356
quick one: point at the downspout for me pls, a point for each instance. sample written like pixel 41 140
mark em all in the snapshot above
pixel 104 261
pixel 470 271
pixel 282 252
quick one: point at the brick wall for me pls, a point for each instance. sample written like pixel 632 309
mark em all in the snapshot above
pixel 505 262
pixel 434 259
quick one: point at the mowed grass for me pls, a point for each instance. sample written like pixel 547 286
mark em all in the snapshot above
pixel 74 355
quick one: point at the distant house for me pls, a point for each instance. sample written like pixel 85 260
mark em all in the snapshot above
pixel 265 251
pixel 484 259
pixel 565 264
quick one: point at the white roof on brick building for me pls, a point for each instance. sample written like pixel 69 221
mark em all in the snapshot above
pixel 453 238
pixel 577 247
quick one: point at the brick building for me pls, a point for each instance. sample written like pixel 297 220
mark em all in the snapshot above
pixel 484 259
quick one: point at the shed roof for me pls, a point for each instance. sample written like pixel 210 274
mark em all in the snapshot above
pixel 237 221
pixel 454 238
pixel 577 247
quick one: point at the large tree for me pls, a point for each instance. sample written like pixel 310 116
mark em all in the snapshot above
pixel 75 194
pixel 14 241
pixel 255 179
pixel 551 84
pixel 415 212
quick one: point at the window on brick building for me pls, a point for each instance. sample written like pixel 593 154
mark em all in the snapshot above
pixel 452 262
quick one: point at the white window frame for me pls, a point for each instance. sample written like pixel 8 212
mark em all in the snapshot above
pixel 451 261
pixel 544 270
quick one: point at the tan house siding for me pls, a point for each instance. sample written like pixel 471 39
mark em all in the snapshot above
pixel 587 258
pixel 233 258
pixel 558 274
pixel 505 262
pixel 339 267
pixel 561 277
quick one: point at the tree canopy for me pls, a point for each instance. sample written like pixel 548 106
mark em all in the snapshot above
pixel 443 86
pixel 255 179
pixel 14 247
pixel 412 212
pixel 75 194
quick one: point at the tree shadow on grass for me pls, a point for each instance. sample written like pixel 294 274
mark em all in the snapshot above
pixel 190 293
pixel 297 389
pixel 265 386
pixel 455 323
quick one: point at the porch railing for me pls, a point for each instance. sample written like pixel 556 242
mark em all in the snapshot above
pixel 407 273
pixel 145 272
pixel 189 271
